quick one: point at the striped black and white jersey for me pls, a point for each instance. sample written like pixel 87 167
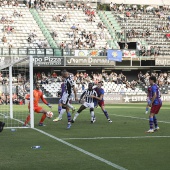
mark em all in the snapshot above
pixel 69 84
pixel 86 95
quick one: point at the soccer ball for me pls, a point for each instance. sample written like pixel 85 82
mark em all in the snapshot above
pixel 49 114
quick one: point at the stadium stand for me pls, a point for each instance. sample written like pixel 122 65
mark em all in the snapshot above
pixel 112 83
pixel 19 29
pixel 150 27
pixel 73 29
pixel 77 26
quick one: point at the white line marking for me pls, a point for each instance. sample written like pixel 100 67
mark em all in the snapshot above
pixel 82 150
pixel 136 118
pixel 17 121
pixel 14 127
pixel 117 137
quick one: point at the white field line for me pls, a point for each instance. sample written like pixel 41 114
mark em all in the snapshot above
pixel 82 150
pixel 15 120
pixel 117 137
pixel 77 148
pixel 133 117
pixel 15 127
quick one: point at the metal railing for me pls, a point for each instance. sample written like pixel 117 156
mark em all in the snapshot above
pixel 61 52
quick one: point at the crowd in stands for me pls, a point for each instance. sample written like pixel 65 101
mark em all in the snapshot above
pixel 33 38
pixel 84 78
pixel 147 31
pixel 7 21
pixel 80 37
pixel 8 3
pixel 43 5
pixel 147 50
pixel 163 78
pixel 136 9
pixel 10 30
pixel 16 99
pixel 21 84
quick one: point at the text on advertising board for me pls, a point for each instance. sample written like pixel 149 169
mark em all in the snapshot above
pixel 46 61
pixel 88 61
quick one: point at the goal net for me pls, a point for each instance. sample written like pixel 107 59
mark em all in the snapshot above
pixel 16 81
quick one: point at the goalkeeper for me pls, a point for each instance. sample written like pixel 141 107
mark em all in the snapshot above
pixel 37 94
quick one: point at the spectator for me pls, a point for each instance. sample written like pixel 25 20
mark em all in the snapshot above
pixel 148 50
pixel 10 44
pixel 126 46
pixel 128 14
pixel 139 49
pixel 4 39
pixel 73 27
pixel 141 77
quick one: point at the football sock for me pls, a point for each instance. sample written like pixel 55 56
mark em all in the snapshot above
pixel 75 116
pixel 69 117
pixel 59 109
pixel 147 109
pixel 27 119
pixel 92 114
pixel 155 121
pixel 151 122
pixel 61 113
pixel 43 118
pixel 106 114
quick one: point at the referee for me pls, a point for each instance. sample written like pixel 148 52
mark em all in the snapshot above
pixel 88 102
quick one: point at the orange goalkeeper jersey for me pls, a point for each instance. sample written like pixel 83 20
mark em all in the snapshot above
pixel 37 96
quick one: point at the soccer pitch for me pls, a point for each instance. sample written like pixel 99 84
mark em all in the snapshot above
pixel 122 144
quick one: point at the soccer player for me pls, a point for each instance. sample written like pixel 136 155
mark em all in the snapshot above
pixel 89 103
pixel 60 101
pixel 148 100
pixel 69 89
pixel 100 99
pixel 2 124
pixel 37 94
pixel 155 104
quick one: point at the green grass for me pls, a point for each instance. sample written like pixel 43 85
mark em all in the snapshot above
pixel 131 153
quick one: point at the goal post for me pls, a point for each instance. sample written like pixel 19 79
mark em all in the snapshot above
pixel 31 90
pixel 16 81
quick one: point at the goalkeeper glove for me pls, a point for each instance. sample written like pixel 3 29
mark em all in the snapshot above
pixel 49 105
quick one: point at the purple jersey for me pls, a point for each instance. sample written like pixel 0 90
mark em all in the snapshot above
pixel 155 89
pixel 100 92
pixel 62 88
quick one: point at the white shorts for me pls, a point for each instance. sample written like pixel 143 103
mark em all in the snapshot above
pixel 65 98
pixel 90 105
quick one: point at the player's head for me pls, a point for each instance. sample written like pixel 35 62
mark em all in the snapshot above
pixel 90 86
pixel 37 86
pixel 99 85
pixel 65 73
pixel 152 80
